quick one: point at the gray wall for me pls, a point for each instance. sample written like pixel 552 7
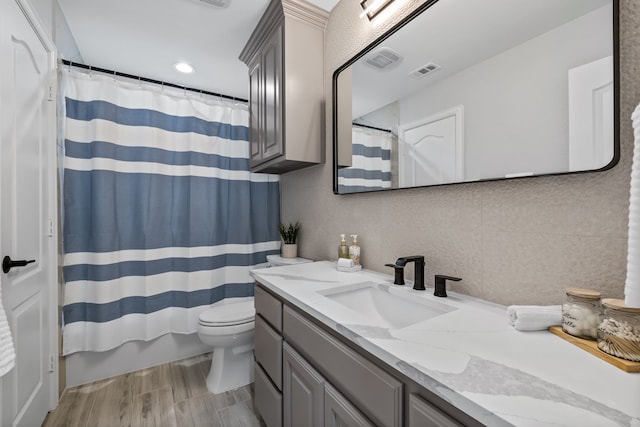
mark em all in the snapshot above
pixel 513 242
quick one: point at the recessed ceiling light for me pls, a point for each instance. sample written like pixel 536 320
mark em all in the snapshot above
pixel 183 67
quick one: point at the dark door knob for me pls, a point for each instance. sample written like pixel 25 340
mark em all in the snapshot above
pixel 7 263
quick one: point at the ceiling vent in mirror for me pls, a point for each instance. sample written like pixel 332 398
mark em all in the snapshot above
pixel 384 58
pixel 424 70
pixel 217 3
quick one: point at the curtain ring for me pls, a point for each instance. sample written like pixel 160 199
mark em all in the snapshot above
pixel 114 76
pixel 90 71
pixel 70 64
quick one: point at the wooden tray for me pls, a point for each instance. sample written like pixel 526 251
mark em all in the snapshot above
pixel 592 347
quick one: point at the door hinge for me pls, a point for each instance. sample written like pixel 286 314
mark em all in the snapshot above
pixel 50 227
pixel 51 363
pixel 51 93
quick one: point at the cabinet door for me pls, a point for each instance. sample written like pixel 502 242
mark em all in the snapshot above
pixel 272 70
pixel 339 412
pixel 423 414
pixel 303 391
pixel 255 121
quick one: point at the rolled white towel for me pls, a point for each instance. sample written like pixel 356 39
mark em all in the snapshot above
pixel 345 262
pixel 534 317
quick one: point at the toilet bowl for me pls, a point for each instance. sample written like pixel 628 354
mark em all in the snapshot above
pixel 227 327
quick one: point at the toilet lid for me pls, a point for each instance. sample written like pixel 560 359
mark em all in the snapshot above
pixel 228 314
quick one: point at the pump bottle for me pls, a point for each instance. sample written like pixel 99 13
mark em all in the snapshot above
pixel 343 249
pixel 354 250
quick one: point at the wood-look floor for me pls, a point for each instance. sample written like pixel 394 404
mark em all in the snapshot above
pixel 173 394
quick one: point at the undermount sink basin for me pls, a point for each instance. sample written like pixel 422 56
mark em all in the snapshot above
pixel 382 307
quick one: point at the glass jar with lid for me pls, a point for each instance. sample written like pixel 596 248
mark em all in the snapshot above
pixel 582 313
pixel 619 332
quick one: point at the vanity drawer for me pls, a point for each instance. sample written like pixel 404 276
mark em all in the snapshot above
pixel 267 400
pixel 269 307
pixel 371 389
pixel 268 350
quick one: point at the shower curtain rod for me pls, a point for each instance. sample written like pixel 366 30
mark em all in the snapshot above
pixel 370 127
pixel 148 80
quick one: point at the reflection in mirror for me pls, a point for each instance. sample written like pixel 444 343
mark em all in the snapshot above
pixel 470 91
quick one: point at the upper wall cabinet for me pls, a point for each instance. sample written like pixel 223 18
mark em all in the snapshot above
pixel 285 56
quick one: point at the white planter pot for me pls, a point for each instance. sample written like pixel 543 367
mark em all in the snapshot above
pixel 289 250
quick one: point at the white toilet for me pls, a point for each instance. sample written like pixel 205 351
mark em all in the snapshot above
pixel 228 327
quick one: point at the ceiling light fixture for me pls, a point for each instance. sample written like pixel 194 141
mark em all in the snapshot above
pixel 183 67
pixel 373 7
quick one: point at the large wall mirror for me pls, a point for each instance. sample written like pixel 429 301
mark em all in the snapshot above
pixel 468 90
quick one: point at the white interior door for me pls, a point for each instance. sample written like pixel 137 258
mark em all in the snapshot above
pixel 431 149
pixel 27 215
pixel 591 115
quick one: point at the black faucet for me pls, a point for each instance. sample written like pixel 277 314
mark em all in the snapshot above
pixel 440 289
pixel 418 282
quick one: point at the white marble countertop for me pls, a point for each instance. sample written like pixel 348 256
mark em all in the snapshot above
pixel 471 356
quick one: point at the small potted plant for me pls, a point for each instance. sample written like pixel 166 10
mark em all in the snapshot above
pixel 289 234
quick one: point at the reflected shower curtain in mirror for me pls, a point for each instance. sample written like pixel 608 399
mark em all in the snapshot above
pixel 161 214
pixel 371 161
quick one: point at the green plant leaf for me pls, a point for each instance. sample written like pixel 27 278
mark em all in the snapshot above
pixel 289 232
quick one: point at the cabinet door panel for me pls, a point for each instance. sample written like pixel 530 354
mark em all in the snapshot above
pixel 423 414
pixel 303 390
pixel 339 412
pixel 255 122
pixel 272 69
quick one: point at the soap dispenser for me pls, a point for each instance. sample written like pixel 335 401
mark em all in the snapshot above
pixel 354 250
pixel 343 249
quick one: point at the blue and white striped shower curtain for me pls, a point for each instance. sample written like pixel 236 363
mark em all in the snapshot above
pixel 371 162
pixel 161 214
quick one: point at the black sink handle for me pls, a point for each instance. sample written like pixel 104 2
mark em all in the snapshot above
pixel 399 273
pixel 440 289
pixel 8 264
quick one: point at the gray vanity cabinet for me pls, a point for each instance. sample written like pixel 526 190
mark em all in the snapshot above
pixel 285 56
pixel 308 376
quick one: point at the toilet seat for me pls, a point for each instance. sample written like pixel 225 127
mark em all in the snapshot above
pixel 231 314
